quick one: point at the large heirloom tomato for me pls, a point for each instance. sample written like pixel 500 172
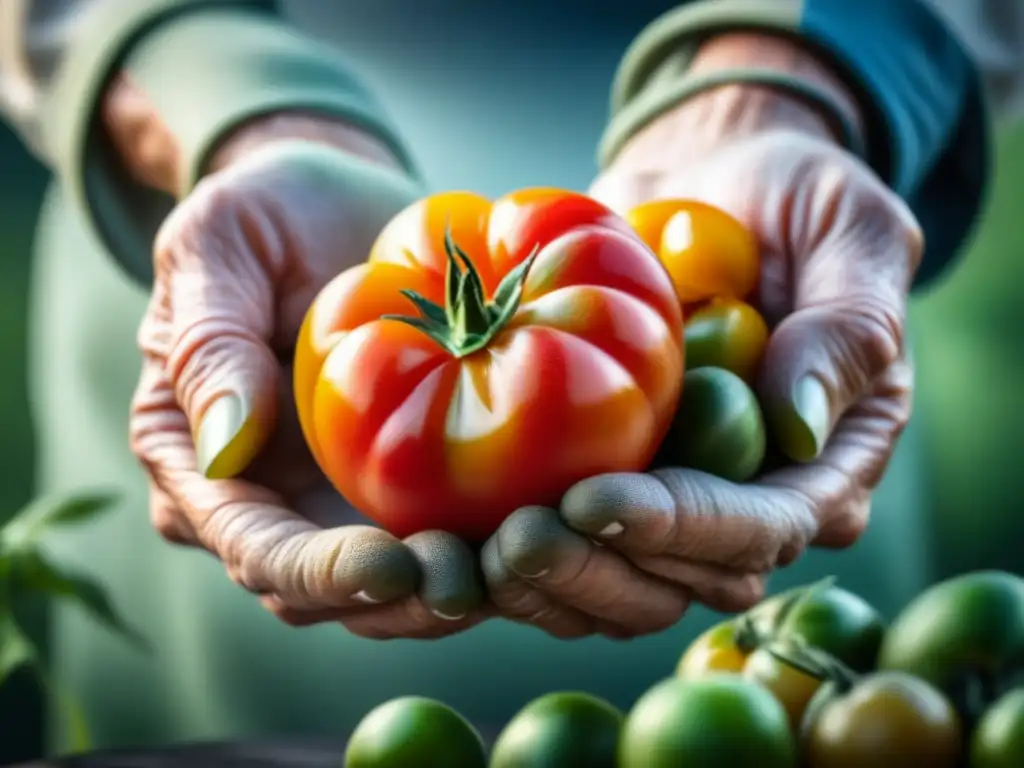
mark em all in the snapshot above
pixel 486 357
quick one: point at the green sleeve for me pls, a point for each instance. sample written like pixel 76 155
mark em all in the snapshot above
pixel 208 66
pixel 927 124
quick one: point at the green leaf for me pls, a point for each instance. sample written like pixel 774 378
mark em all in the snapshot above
pixel 79 734
pixel 430 311
pixel 32 571
pixel 16 649
pixel 510 289
pixel 452 276
pixel 426 326
pixel 27 526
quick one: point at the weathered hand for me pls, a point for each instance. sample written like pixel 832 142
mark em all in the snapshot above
pixel 237 264
pixel 625 553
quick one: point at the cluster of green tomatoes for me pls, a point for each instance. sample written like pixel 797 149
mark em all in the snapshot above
pixel 809 678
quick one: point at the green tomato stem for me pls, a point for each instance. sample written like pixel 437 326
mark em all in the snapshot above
pixel 468 321
pixel 750 633
pixel 814 662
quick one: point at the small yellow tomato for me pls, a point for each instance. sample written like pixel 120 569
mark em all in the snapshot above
pixel 707 252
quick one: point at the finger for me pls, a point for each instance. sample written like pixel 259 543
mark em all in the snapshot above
pixel 211 329
pixel 405 619
pixel 720 589
pixel 168 520
pixel 846 328
pixel 285 464
pixel 520 601
pixel 408 618
pixel 264 545
pixel 450 587
pixel 841 481
pixel 450 593
pixel 537 546
pixel 747 529
pixel 295 617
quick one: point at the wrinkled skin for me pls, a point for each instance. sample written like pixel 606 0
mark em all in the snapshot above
pixel 838 255
pixel 237 265
pixel 241 259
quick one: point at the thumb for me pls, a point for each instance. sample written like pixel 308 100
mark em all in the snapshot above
pixel 846 330
pixel 219 308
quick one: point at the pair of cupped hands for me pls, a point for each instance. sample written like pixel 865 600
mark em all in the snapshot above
pixel 242 257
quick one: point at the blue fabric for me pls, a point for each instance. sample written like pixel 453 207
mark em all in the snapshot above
pixel 930 140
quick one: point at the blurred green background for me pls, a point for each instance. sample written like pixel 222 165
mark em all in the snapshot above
pixel 969 345
pixel 22 182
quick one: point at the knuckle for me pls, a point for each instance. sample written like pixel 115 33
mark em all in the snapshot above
pixel 519 601
pixel 288 615
pixel 876 326
pixel 749 592
pixel 798 523
pixel 244 580
pixel 209 202
pixel 232 529
pixel 846 526
pixel 168 524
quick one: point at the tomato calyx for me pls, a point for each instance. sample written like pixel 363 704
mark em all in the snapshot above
pixel 754 630
pixel 814 662
pixel 468 320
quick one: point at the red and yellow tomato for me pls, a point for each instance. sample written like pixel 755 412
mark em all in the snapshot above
pixel 488 356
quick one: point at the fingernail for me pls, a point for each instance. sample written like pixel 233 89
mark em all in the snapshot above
pixel 448 617
pixel 538 575
pixel 810 401
pixel 227 438
pixel 611 530
pixel 363 596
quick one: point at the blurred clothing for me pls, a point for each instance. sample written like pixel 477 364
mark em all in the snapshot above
pixel 927 130
pixel 33 33
pixel 489 100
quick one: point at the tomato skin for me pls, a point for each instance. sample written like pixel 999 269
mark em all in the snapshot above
pixel 413 730
pixel 560 729
pixel 833 619
pixel 707 252
pixel 718 428
pixel 962 632
pixel 716 652
pixel 887 720
pixel 998 740
pixel 726 333
pixel 721 720
pixel 584 379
